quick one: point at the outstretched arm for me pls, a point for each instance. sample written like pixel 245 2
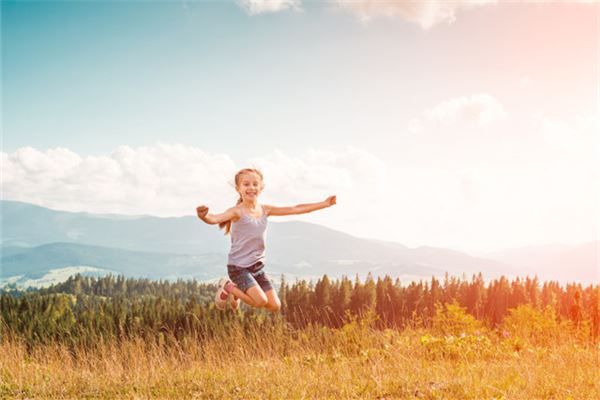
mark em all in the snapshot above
pixel 301 208
pixel 212 219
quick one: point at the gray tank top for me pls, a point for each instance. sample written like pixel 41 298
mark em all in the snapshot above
pixel 248 240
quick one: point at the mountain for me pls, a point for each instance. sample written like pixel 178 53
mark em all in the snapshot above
pixel 27 225
pixel 37 241
pixel 580 263
pixel 528 256
pixel 37 262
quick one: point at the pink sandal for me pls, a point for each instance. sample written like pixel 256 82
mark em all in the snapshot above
pixel 222 295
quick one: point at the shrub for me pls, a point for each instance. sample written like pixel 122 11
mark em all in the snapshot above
pixel 531 326
pixel 452 319
pixel 455 334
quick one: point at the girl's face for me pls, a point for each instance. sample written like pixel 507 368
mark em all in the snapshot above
pixel 249 186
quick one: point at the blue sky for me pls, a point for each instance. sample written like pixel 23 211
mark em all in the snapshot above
pixel 482 101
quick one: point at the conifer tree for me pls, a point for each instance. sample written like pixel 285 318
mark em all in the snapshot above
pixel 283 294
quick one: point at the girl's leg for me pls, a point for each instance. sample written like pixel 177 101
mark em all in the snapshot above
pixel 273 302
pixel 254 296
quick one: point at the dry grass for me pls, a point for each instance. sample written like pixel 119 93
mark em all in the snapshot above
pixel 353 362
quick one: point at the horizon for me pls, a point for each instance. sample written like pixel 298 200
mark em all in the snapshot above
pixel 427 136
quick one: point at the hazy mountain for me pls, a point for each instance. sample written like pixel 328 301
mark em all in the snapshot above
pixel 36 262
pixel 528 256
pixel 564 263
pixel 37 241
pixel 29 225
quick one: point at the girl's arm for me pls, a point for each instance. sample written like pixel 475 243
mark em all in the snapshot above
pixel 212 219
pixel 300 208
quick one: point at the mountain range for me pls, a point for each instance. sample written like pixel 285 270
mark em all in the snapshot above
pixel 40 246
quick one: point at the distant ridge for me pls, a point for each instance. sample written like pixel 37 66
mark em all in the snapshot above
pixel 36 240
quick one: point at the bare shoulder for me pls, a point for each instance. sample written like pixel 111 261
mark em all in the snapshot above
pixel 236 212
pixel 267 209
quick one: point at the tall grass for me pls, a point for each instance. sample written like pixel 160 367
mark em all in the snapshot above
pixel 455 358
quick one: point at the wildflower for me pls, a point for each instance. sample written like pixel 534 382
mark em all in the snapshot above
pixel 425 339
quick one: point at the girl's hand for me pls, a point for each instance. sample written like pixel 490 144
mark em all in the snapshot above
pixel 202 211
pixel 331 200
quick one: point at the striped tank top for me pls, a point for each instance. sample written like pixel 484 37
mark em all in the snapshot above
pixel 248 240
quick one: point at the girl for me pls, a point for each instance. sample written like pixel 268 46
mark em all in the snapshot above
pixel 247 223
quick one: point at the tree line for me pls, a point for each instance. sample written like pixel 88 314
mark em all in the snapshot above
pixel 85 311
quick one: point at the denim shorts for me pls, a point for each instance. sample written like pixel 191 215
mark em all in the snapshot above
pixel 245 278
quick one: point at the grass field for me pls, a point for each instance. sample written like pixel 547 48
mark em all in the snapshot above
pixel 356 361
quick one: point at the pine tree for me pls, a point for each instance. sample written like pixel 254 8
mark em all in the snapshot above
pixel 322 299
pixel 341 295
pixel 283 294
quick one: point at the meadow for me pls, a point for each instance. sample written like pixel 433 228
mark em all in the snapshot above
pixel 533 353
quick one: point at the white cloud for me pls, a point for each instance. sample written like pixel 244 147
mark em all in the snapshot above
pixel 537 185
pixel 478 110
pixel 354 175
pixel 160 180
pixel 415 126
pixel 171 180
pixel 424 13
pixel 255 7
pixel 574 142
pixel 525 81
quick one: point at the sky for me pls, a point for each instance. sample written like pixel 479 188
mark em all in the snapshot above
pixel 466 125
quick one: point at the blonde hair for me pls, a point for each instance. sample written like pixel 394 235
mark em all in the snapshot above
pixel 227 224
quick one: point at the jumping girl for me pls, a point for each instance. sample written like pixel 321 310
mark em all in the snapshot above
pixel 247 224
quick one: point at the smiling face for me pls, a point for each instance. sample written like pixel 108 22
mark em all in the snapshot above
pixel 249 186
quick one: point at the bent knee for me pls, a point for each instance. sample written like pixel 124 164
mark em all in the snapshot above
pixel 258 296
pixel 274 306
pixel 261 301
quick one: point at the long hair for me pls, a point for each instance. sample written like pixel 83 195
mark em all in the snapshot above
pixel 227 224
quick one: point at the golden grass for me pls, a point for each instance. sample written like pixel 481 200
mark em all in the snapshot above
pixel 353 362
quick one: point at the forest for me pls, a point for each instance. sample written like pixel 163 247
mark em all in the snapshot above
pixel 85 311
